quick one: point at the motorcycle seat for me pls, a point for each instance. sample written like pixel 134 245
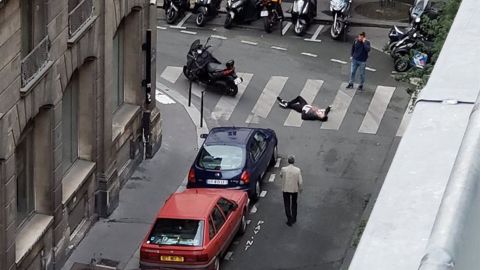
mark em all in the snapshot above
pixel 214 67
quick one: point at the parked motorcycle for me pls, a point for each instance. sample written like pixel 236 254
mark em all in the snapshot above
pixel 341 13
pixel 242 11
pixel 397 33
pixel 202 66
pixel 206 10
pixel 174 9
pixel 425 7
pixel 403 46
pixel 272 13
pixel 303 13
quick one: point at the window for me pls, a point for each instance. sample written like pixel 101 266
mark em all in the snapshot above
pixel 34 24
pixel 211 228
pixel 255 150
pixel 177 232
pixel 118 69
pixel 261 141
pixel 72 4
pixel 24 170
pixel 221 157
pixel 70 123
pixel 226 206
pixel 218 219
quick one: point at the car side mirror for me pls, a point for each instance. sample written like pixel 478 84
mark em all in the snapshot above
pixel 203 136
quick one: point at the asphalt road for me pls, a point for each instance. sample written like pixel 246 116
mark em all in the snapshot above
pixel 343 166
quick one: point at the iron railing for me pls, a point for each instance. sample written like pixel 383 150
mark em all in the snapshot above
pixel 34 61
pixel 79 16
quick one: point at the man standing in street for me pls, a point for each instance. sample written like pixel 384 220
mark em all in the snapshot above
pixel 359 56
pixel 292 184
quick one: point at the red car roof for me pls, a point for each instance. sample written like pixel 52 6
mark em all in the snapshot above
pixel 195 203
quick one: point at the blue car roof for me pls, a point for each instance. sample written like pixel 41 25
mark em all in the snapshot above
pixel 229 135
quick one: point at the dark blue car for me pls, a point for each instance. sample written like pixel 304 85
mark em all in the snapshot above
pixel 234 157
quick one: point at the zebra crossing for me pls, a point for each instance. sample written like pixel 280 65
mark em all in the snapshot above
pixel 225 105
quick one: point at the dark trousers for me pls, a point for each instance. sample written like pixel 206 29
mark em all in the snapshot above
pixel 290 202
pixel 297 104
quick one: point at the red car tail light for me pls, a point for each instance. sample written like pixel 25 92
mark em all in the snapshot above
pixel 191 175
pixel 149 254
pixel 245 177
pixel 202 258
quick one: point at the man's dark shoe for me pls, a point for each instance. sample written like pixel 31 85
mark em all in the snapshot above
pixel 360 88
pixel 350 86
pixel 327 110
pixel 289 224
pixel 294 221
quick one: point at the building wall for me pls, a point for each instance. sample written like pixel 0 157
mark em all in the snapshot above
pixel 108 144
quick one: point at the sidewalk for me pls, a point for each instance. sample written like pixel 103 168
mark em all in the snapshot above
pixel 116 240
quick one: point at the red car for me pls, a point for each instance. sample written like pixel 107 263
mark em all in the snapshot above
pixel 194 229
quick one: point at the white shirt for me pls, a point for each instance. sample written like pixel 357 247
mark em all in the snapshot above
pixel 292 179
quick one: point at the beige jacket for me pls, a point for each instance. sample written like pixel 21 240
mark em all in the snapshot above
pixel 292 179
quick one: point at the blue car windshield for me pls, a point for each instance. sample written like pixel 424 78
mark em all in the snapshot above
pixel 221 157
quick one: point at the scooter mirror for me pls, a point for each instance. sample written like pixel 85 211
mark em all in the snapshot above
pixel 414 35
pixel 417 20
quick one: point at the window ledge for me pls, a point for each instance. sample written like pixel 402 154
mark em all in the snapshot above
pixel 81 31
pixel 76 176
pixel 38 76
pixel 122 117
pixel 31 232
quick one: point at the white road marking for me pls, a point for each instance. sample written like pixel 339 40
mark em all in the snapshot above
pixel 263 194
pixel 313 40
pixel 188 32
pixel 370 69
pixel 180 24
pixel 317 32
pixel 267 99
pixel 286 27
pixel 277 164
pixel 249 221
pixel 226 104
pixel 164 99
pixel 219 37
pixel 272 178
pixel 376 109
pixel 249 42
pixel 338 61
pixel 405 120
pixel 171 74
pixel 309 54
pixel 161 28
pixel 177 27
pixel 253 210
pixel 339 108
pixel 228 256
pixel 309 92
pixel 278 48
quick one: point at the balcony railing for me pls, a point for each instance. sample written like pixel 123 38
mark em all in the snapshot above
pixel 79 16
pixel 34 61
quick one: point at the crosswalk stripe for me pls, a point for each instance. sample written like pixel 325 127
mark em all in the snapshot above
pixel 339 108
pixel 267 99
pixel 376 109
pixel 226 104
pixel 309 93
pixel 171 74
pixel 405 120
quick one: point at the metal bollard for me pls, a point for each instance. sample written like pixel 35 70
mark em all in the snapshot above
pixel 201 109
pixel 190 94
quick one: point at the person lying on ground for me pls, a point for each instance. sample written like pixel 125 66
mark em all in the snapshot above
pixel 309 112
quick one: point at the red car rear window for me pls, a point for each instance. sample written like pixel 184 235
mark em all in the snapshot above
pixel 177 232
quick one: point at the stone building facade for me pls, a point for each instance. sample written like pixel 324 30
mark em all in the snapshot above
pixel 74 119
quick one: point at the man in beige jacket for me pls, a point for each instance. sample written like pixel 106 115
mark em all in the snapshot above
pixel 292 184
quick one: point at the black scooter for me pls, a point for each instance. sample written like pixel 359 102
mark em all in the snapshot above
pixel 202 66
pixel 174 9
pixel 206 10
pixel 271 13
pixel 242 11
pixel 397 33
pixel 303 13
pixel 341 13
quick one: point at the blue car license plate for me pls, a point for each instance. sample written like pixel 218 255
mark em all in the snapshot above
pixel 217 182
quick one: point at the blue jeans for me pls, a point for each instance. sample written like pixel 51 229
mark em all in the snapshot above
pixel 358 65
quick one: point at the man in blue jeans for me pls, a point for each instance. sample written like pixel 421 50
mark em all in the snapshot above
pixel 359 55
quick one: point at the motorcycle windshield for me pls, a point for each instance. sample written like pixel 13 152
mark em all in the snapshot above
pixel 419 7
pixel 194 45
pixel 338 4
pixel 298 6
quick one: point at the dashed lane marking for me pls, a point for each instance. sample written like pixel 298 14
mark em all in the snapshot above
pixel 228 256
pixel 313 40
pixel 249 42
pixel 278 48
pixel 338 61
pixel 309 54
pixel 161 28
pixel 249 221
pixel 286 27
pixel 263 194
pixel 370 69
pixel 219 37
pixel 253 210
pixel 188 32
pixel 272 178
pixel 277 164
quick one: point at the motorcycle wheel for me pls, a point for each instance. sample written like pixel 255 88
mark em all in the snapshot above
pixel 188 73
pixel 336 29
pixel 172 15
pixel 401 65
pixel 228 22
pixel 392 45
pixel 232 90
pixel 267 22
pixel 299 29
pixel 200 20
